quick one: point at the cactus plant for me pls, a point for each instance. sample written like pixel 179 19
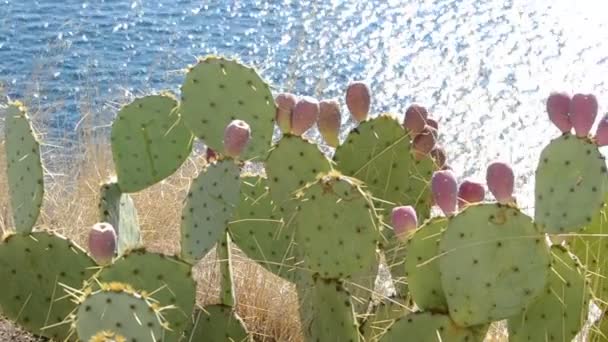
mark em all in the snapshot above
pixel 211 203
pixel 422 266
pixel 218 90
pixel 149 142
pixel 116 312
pixel 571 180
pixel 431 327
pixel 169 279
pixel 117 209
pixel 493 263
pixel 259 231
pixel 24 168
pixel 561 311
pixel 216 323
pixel 37 269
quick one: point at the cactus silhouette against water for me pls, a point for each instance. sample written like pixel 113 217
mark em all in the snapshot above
pixel 323 224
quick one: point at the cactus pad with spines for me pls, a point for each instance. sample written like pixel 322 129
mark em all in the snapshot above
pixel 149 142
pixel 35 269
pixel 258 230
pixel 216 323
pixel 431 327
pixel 561 311
pixel 591 248
pixel 218 90
pixel 291 164
pixel 24 168
pixel 211 203
pixel 422 266
pixel 167 278
pixel 571 180
pixel 326 311
pixel 118 310
pixel 493 263
pixel 118 209
pixel 378 153
pixel 384 315
pixel 336 228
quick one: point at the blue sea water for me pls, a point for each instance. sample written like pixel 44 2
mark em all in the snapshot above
pixel 484 68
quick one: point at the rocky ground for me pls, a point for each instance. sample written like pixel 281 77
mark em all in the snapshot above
pixel 9 332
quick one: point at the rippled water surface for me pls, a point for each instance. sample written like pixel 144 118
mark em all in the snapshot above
pixel 484 68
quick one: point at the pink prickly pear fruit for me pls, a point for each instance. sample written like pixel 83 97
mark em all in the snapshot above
pixel 329 121
pixel 433 123
pixel 305 114
pixel 500 180
pixel 358 100
pixel 583 111
pixel 236 137
pixel 424 142
pixel 601 134
pixel 470 192
pixel 439 156
pixel 445 191
pixel 404 221
pixel 285 103
pixel 415 119
pixel 558 107
pixel 102 243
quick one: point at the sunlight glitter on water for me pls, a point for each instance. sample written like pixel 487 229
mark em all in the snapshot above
pixel 484 68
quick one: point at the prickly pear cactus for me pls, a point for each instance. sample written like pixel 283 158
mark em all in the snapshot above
pixel 118 209
pixel 218 90
pixel 336 227
pixel 571 180
pixel 431 327
pixel 383 316
pixel 167 278
pixel 561 311
pixel 149 142
pixel 493 263
pixel 37 269
pixel 24 167
pixel 211 203
pixel 259 231
pixel 422 266
pixel 599 331
pixel 326 311
pixel 224 257
pixel 118 311
pixel 378 153
pixel 216 323
pixel 291 164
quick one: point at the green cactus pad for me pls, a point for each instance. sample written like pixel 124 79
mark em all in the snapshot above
pixel 336 228
pixel 326 311
pixel 259 231
pixel 224 257
pixel 384 315
pixel 35 269
pixel 395 252
pixel 211 203
pixel 378 153
pixel 216 323
pixel 559 313
pixel 119 311
pixel 422 266
pixel 217 91
pixel 291 164
pixel 570 185
pixel 591 248
pixel 493 263
pixel 167 278
pixel 24 168
pixel 149 142
pixel 419 190
pixel 118 209
pixel 431 327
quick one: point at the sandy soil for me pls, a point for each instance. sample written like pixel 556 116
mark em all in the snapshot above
pixel 9 332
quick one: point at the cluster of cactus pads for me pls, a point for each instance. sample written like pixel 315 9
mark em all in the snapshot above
pixel 323 221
